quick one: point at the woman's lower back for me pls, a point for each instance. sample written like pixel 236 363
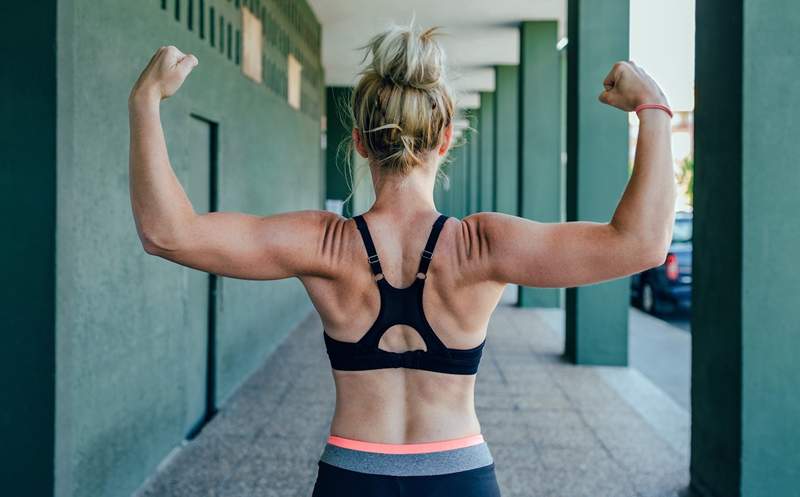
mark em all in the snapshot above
pixel 403 406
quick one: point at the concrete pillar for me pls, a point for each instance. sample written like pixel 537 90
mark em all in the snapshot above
pixel 486 151
pixel 28 295
pixel 455 196
pixel 473 181
pixel 539 137
pixel 459 177
pixel 597 170
pixel 461 174
pixel 506 140
pixel 336 160
pixel 745 408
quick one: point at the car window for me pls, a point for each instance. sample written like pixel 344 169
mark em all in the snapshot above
pixel 682 232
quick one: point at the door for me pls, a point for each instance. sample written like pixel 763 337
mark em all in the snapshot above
pixel 198 352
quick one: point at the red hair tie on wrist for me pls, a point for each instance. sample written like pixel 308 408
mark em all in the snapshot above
pixel 653 106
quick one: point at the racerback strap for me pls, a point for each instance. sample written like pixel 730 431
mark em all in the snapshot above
pixel 427 253
pixel 372 254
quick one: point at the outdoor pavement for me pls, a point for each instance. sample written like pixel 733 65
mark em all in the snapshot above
pixel 662 351
pixel 554 429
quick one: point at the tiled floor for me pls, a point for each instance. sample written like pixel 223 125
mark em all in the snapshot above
pixel 554 429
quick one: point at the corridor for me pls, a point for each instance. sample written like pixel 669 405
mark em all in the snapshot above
pixel 554 429
pixel 114 359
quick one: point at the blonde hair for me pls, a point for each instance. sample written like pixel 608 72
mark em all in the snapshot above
pixel 402 103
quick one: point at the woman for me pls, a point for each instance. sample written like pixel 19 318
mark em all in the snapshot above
pixel 405 421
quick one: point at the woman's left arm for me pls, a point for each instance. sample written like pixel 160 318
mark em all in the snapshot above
pixel 226 243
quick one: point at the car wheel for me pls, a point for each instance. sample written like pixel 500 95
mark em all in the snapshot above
pixel 648 299
pixel 636 296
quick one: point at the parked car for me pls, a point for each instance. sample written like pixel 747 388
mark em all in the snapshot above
pixel 668 287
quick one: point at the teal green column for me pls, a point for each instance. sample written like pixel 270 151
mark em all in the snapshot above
pixel 597 170
pixel 540 138
pixel 455 196
pixel 506 133
pixel 746 289
pixel 461 176
pixel 336 162
pixel 28 299
pixel 486 151
pixel 473 181
pixel 439 195
pixel 455 182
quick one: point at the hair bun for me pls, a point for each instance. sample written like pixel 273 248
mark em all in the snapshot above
pixel 407 57
pixel 402 103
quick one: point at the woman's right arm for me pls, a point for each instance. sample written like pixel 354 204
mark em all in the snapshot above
pixel 232 244
pixel 510 249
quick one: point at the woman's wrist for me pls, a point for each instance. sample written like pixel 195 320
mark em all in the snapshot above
pixel 649 108
pixel 141 98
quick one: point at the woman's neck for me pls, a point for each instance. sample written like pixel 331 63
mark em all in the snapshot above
pixel 404 194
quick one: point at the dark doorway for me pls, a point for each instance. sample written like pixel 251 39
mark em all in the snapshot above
pixel 200 354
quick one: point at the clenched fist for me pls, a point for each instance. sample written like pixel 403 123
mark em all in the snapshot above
pixel 628 85
pixel 164 74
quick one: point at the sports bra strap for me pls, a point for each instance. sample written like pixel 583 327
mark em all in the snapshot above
pixel 372 254
pixel 427 253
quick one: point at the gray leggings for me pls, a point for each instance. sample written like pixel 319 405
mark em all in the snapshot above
pixel 462 472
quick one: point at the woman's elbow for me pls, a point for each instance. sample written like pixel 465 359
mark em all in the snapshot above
pixel 155 244
pixel 652 256
pixel 150 247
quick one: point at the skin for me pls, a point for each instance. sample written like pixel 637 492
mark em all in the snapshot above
pixel 474 259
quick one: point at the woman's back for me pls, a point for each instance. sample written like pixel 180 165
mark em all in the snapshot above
pixel 405 422
pixel 405 404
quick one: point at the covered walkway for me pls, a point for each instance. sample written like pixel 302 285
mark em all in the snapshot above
pixel 112 358
pixel 555 429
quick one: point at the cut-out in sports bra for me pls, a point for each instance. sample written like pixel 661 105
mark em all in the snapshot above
pixel 401 306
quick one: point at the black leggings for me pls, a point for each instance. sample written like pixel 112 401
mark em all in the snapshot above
pixel 333 481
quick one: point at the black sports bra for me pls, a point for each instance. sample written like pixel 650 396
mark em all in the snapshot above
pixel 401 306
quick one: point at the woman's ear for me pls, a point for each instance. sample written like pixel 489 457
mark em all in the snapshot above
pixel 360 148
pixel 447 138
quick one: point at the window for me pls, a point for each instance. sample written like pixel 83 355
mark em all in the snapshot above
pixel 251 49
pixel 294 71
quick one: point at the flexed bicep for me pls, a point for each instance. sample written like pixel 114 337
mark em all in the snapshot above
pixel 578 253
pixel 230 244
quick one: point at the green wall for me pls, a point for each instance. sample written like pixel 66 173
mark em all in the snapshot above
pixel 122 316
pixel 363 191
pixel 745 407
pixel 338 132
pixel 597 171
pixel 540 182
pixel 506 129
pixel 771 237
pixel 27 197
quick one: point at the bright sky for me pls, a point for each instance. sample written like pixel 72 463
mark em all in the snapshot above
pixel 662 42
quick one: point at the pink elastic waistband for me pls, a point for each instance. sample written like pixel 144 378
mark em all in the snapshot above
pixel 415 448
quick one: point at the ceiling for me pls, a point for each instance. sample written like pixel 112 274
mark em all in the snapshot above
pixel 477 34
